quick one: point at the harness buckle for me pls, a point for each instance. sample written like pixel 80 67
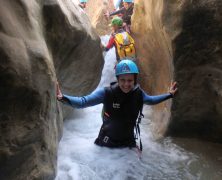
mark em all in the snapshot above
pixel 105 139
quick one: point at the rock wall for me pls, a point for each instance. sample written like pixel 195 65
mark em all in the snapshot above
pixel 154 56
pixel 95 10
pixel 196 111
pixel 182 38
pixel 74 47
pixel 35 36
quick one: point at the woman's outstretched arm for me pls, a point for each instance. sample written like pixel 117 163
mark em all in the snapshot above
pixel 151 100
pixel 92 99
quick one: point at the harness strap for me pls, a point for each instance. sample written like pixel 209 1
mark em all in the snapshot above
pixel 138 128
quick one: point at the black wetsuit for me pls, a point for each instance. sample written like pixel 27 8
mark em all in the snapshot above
pixel 120 113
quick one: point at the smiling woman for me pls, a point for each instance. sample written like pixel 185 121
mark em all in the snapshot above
pixel 126 82
pixel 123 102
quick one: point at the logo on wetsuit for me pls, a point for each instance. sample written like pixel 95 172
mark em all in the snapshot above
pixel 116 105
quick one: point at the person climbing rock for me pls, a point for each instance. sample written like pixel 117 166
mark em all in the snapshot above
pixel 122 41
pixel 122 105
pixel 82 3
pixel 125 12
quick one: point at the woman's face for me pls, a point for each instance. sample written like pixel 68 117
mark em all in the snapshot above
pixel 126 82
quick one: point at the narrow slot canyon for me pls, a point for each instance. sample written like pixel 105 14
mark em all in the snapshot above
pixel 43 42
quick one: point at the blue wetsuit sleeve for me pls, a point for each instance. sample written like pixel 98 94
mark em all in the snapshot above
pixel 151 100
pixel 92 99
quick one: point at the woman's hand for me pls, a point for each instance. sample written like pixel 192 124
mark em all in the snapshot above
pixel 173 88
pixel 58 92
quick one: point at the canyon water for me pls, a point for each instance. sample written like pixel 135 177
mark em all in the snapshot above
pixel 167 159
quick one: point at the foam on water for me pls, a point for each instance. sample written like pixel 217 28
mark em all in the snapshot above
pixel 80 159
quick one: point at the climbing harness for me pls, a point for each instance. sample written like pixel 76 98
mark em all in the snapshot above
pixel 137 129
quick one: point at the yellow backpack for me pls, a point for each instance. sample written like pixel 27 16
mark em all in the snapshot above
pixel 125 46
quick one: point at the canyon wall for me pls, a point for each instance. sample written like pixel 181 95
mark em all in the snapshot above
pixel 154 53
pixel 41 41
pixel 95 11
pixel 197 49
pixel 181 40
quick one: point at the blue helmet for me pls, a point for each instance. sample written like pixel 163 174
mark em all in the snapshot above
pixel 126 67
pixel 130 1
pixel 83 1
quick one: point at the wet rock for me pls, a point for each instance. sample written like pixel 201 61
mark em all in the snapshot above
pixel 189 33
pixel 198 69
pixel 75 47
pixel 31 43
pixel 154 57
